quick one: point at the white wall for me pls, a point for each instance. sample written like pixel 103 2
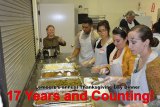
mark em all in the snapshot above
pixel 113 9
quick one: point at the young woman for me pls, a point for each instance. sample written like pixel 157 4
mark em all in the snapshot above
pixel 104 45
pixel 121 58
pixel 146 72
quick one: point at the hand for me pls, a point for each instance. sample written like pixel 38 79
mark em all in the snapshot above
pixel 85 63
pixel 114 80
pixel 139 104
pixel 60 40
pixel 104 71
pixel 70 59
pixel 95 69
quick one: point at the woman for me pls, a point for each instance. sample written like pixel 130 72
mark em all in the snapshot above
pixel 52 40
pixel 146 73
pixel 121 59
pixel 104 45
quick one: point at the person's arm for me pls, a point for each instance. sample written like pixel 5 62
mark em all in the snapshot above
pixel 124 24
pixel 45 45
pixel 75 52
pixel 128 63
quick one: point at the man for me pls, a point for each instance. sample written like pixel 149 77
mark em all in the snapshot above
pixel 129 21
pixel 85 42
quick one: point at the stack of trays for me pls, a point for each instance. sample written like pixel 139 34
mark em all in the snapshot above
pixel 60 78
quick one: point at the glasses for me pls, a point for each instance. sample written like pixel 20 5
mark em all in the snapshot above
pixel 101 31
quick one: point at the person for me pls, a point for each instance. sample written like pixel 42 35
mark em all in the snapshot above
pixel 52 40
pixel 129 21
pixel 104 45
pixel 121 59
pixel 85 42
pixel 146 72
pixel 156 34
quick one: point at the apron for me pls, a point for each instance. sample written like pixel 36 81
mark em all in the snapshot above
pixel 139 78
pixel 116 64
pixel 86 51
pixel 100 54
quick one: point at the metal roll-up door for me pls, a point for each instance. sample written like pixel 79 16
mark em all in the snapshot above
pixel 16 23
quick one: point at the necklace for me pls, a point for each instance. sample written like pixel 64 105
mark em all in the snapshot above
pixel 143 62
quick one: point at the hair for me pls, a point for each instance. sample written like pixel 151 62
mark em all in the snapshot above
pixel 87 20
pixel 156 27
pixel 146 33
pixel 130 13
pixel 49 26
pixel 121 31
pixel 104 23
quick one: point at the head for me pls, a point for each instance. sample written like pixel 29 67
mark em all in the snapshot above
pixel 119 37
pixel 50 30
pixel 87 25
pixel 130 15
pixel 141 39
pixel 103 29
pixel 156 27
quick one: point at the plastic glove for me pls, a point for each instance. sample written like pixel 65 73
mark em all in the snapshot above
pixel 111 80
pixel 70 59
pixel 85 63
pixel 139 104
pixel 104 71
pixel 95 69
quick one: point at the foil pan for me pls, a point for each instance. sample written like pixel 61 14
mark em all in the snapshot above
pixel 88 104
pixel 57 83
pixel 59 66
pixel 59 73
pixel 61 102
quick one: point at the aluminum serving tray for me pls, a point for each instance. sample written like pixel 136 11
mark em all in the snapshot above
pixel 59 73
pixel 86 104
pixel 59 66
pixel 63 103
pixel 42 80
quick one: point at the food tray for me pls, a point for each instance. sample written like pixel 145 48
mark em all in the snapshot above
pixel 59 82
pixel 59 73
pixel 87 104
pixel 59 66
pixel 62 101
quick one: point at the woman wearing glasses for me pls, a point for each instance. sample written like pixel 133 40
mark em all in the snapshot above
pixel 104 46
pixel 146 72
pixel 121 59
